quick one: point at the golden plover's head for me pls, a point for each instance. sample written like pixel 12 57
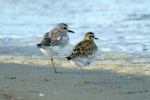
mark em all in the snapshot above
pixel 90 36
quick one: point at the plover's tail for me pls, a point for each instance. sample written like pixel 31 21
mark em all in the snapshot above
pixel 68 58
pixel 39 45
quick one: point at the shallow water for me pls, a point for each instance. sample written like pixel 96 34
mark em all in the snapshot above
pixel 121 25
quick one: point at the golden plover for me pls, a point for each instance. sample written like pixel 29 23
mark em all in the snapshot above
pixel 84 52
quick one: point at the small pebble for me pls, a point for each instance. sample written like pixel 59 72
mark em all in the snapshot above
pixel 40 94
pixel 55 93
pixel 2 76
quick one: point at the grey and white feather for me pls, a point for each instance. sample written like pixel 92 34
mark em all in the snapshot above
pixel 54 41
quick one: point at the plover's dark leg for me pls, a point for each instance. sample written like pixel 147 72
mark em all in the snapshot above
pixel 82 74
pixel 53 64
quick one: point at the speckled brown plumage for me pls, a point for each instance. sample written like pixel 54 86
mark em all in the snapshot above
pixel 85 48
pixel 84 52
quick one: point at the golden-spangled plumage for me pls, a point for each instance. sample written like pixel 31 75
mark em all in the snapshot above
pixel 85 48
pixel 84 52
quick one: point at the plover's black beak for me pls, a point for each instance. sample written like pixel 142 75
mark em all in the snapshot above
pixel 71 31
pixel 96 38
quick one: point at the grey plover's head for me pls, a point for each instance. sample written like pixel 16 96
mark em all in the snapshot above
pixel 90 36
pixel 63 27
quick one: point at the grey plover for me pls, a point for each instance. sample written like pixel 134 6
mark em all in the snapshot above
pixel 84 52
pixel 54 40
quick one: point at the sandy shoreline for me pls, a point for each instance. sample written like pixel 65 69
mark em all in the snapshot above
pixel 120 63
pixel 29 82
pixel 26 74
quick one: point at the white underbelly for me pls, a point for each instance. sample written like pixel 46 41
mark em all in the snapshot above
pixel 83 61
pixel 51 51
pixel 57 50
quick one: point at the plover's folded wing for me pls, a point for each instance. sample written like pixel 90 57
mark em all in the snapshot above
pixel 51 38
pixel 56 37
pixel 46 41
pixel 80 50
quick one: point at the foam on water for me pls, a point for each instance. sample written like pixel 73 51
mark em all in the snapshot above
pixel 121 26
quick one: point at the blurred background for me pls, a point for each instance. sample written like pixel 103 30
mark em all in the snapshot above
pixel 120 25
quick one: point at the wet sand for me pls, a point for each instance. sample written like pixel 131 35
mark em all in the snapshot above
pixel 39 82
pixel 29 82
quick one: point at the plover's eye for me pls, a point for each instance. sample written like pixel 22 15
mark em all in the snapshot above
pixel 65 28
pixel 92 36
